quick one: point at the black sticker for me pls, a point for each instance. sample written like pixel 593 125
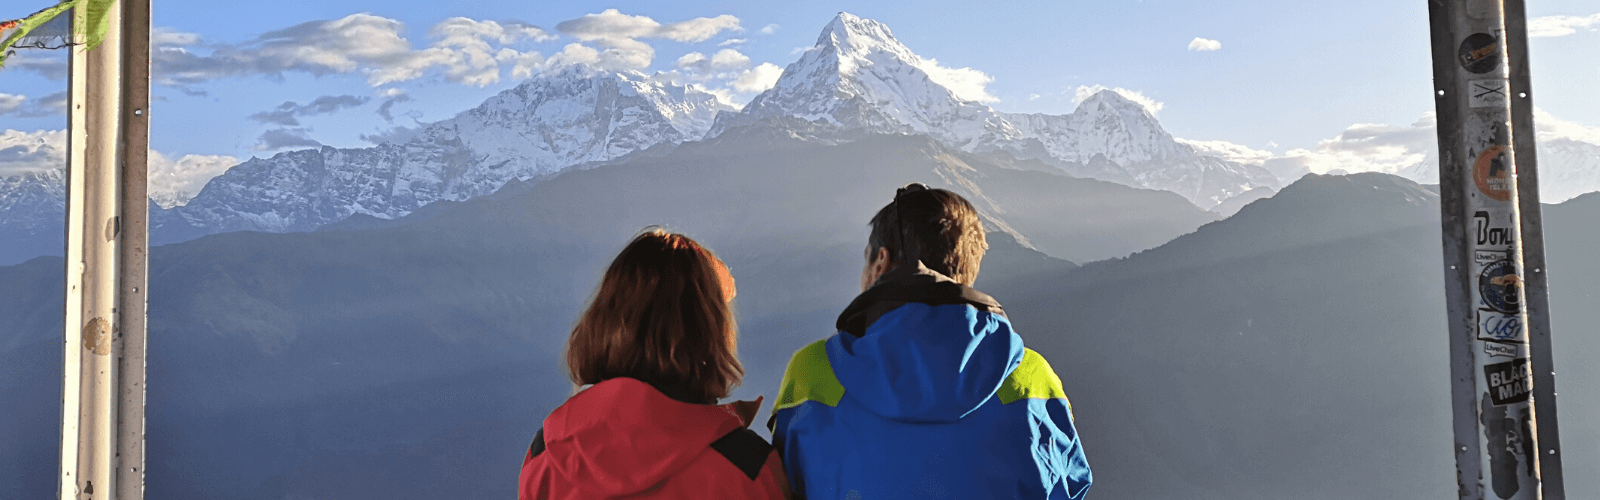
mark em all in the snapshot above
pixel 1509 382
pixel 1480 53
pixel 1500 287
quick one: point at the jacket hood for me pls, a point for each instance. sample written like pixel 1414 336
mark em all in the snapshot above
pixel 623 436
pixel 920 347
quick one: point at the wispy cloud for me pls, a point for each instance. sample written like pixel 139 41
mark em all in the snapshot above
pixel 769 29
pixel 284 138
pixel 398 134
pixel 287 113
pixel 1204 44
pixel 1551 26
pixel 1407 150
pixel 966 83
pixel 466 51
pixel 25 107
pixel 618 36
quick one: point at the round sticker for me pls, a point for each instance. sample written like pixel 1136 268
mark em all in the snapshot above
pixel 1492 173
pixel 1480 53
pixel 1498 284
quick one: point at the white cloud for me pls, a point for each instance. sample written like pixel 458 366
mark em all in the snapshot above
pixel 769 29
pixel 612 24
pixel 1550 128
pixel 1363 147
pixel 699 29
pixel 731 41
pixel 758 79
pixel 729 58
pixel 618 36
pixel 172 182
pixel 11 102
pixel 31 152
pixel 1151 105
pixel 1204 44
pixel 574 53
pixel 690 59
pixel 175 182
pixel 966 83
pixel 467 50
pixel 1550 26
pixel 523 64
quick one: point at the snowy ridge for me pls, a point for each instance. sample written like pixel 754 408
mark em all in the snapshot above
pixel 859 77
pixel 534 129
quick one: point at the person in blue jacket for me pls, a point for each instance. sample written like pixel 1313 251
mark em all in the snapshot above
pixel 925 391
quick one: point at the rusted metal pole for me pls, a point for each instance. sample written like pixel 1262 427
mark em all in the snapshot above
pixel 1496 425
pixel 1536 279
pixel 133 251
pixel 102 449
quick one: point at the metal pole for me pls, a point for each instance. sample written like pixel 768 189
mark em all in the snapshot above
pixel 102 450
pixel 72 351
pixel 134 255
pixel 1536 280
pixel 1495 442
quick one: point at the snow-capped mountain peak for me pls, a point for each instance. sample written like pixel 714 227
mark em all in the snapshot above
pixel 855 41
pixel 537 128
pixel 859 77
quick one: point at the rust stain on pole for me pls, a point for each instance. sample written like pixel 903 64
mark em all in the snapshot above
pixel 97 336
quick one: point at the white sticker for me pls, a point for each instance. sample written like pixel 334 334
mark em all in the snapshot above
pixel 1501 350
pixel 1485 93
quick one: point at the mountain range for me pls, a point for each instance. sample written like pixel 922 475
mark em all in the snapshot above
pixel 1294 350
pixel 858 79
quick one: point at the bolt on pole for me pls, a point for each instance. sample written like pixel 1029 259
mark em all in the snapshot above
pixel 1482 153
pixel 103 392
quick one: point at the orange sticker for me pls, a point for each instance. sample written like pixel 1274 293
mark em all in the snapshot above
pixel 1492 172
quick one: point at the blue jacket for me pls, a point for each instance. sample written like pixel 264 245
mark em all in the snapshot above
pixel 926 392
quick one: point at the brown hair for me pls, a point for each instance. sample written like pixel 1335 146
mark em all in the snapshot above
pixel 662 315
pixel 934 226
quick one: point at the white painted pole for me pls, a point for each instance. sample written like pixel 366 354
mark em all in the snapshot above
pixel 103 375
pixel 1495 423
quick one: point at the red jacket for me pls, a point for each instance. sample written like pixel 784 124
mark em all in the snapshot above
pixel 622 437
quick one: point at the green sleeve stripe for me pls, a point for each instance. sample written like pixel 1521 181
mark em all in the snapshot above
pixel 809 378
pixel 1033 379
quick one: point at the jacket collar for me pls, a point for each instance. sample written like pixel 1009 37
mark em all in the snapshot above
pixel 906 284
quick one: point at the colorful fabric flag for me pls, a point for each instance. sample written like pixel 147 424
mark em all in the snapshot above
pixel 47 29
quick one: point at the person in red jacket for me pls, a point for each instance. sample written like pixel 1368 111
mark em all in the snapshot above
pixel 657 349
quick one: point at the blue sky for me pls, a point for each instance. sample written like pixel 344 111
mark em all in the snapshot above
pixel 1284 76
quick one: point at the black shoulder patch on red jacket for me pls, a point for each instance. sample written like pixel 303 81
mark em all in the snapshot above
pixel 538 444
pixel 745 449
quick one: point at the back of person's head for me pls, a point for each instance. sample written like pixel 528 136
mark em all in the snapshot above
pixel 662 315
pixel 934 226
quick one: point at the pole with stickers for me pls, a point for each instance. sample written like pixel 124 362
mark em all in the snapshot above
pixel 1503 387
